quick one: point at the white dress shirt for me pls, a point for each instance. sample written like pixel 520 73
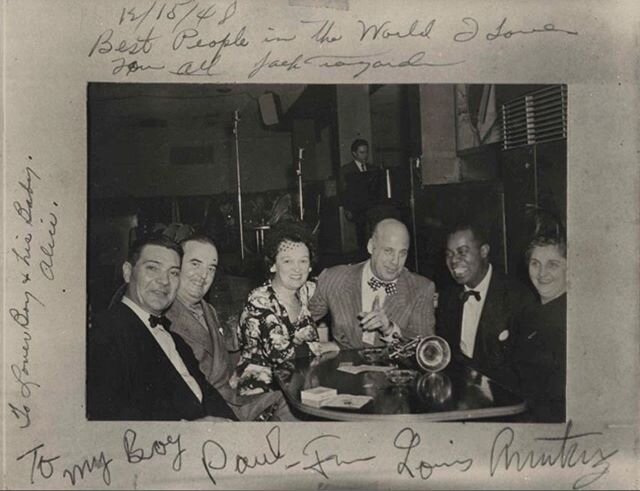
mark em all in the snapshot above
pixel 164 339
pixel 360 166
pixel 471 313
pixel 369 296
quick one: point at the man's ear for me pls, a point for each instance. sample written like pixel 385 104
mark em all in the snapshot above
pixel 272 268
pixel 370 246
pixel 126 271
pixel 484 251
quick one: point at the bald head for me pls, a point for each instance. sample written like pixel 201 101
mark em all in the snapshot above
pixel 388 246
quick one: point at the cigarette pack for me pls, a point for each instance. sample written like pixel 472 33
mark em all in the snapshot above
pixel 317 395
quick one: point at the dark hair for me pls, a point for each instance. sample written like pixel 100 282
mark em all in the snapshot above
pixel 547 240
pixel 199 237
pixel 478 231
pixel 287 231
pixel 358 142
pixel 548 231
pixel 152 239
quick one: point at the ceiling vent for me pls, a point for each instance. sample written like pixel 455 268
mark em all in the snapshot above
pixel 537 117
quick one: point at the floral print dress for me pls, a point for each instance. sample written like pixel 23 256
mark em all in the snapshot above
pixel 268 337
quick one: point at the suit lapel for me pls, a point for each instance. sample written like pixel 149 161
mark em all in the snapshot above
pixel 187 326
pixel 353 289
pixel 352 303
pixel 156 364
pixel 490 312
pixel 450 316
pixel 395 305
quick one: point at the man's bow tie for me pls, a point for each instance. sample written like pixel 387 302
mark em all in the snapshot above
pixel 154 320
pixel 389 286
pixel 464 295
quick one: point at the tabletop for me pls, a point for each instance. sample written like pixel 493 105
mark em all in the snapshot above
pixel 455 393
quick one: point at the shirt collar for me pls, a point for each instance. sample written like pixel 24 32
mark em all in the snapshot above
pixel 483 286
pixel 368 273
pixel 139 311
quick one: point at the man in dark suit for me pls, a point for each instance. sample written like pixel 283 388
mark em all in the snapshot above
pixel 213 344
pixel 375 301
pixel 477 316
pixel 355 189
pixel 136 368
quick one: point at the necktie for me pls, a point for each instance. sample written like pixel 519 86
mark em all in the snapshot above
pixel 389 286
pixel 464 296
pixel 154 320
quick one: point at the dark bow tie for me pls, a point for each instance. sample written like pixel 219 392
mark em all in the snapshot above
pixel 154 320
pixel 464 295
pixel 389 286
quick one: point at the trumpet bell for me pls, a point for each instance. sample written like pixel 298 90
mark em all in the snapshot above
pixel 433 353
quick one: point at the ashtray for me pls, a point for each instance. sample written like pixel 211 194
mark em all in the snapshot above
pixel 401 377
pixel 374 355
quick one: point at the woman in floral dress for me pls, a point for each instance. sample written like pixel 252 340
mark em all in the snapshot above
pixel 275 325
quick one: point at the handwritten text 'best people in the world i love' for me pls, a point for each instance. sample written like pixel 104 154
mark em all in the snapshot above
pixel 203 38
pixel 32 254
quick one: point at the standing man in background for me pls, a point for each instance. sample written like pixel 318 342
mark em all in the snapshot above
pixel 355 192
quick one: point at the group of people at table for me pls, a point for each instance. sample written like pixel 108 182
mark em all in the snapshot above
pixel 161 352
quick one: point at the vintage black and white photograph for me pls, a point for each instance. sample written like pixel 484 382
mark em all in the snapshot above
pixel 350 252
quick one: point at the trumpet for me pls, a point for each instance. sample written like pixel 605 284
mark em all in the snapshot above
pixel 432 353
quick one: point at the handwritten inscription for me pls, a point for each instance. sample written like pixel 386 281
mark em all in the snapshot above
pixel 357 65
pixel 408 439
pixel 566 453
pixel 34 250
pixel 41 466
pixel 142 35
pixel 135 455
pixel 323 453
pixel 78 471
pixel 48 249
pixel 22 414
pixel 383 30
pixel 320 456
pixel 472 29
pixel 21 371
pixel 320 450
pixel 24 208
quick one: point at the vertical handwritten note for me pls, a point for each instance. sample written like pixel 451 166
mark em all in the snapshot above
pixel 33 252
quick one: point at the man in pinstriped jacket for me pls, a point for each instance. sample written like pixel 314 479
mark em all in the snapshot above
pixel 373 302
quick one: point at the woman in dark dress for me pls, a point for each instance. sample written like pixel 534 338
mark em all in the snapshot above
pixel 540 347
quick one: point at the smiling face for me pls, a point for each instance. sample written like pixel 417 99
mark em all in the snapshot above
pixel 199 265
pixel 467 259
pixel 153 280
pixel 388 247
pixel 292 266
pixel 548 272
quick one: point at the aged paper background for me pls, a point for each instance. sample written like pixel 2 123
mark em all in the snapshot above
pixel 47 63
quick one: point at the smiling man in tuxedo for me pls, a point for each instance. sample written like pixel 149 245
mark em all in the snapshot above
pixel 136 368
pixel 476 316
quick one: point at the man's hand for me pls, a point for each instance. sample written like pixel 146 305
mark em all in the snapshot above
pixel 376 320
